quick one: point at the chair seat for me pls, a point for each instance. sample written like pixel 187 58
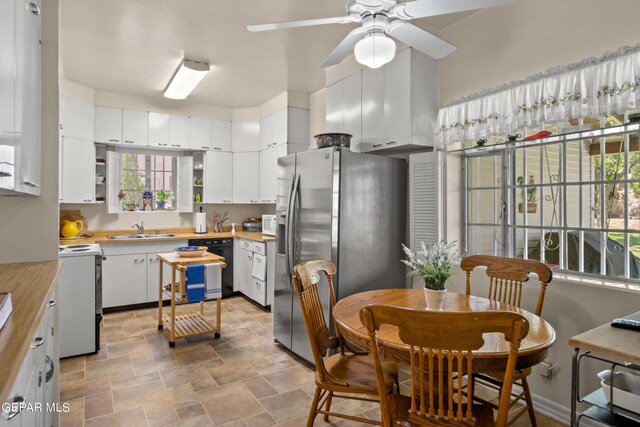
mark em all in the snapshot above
pixel 358 372
pixel 400 416
pixel 499 376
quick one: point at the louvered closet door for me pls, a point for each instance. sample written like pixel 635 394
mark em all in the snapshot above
pixel 426 198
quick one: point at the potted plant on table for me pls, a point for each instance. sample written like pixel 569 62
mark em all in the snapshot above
pixel 161 198
pixel 435 264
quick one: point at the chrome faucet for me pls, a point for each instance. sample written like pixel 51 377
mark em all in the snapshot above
pixel 139 227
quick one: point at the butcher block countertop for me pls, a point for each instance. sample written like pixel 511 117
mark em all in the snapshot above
pixel 102 236
pixel 30 285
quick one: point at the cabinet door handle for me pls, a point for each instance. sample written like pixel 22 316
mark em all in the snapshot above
pixel 376 145
pixel 392 142
pixel 51 369
pixel 227 201
pixel 162 144
pixel 52 303
pixel 37 342
pixel 6 174
pixel 176 145
pixel 87 200
pixel 258 259
pixel 128 141
pixel 16 403
pixel 33 8
pixel 217 148
pixel 205 148
pixel 114 140
pixel 31 184
pixel 258 285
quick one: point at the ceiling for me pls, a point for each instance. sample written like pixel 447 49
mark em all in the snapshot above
pixel 134 46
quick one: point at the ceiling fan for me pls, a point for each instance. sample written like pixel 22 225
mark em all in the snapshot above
pixel 380 18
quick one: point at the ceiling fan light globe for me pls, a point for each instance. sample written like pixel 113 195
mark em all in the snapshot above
pixel 375 50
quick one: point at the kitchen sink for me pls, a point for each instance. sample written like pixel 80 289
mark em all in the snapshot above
pixel 141 236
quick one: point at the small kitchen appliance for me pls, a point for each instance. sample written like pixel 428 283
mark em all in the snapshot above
pixel 269 224
pixel 252 225
pixel 201 222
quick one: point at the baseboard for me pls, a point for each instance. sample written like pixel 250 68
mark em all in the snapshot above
pixel 558 412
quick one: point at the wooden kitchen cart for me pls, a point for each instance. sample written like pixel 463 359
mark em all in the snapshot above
pixel 191 323
pixel 620 348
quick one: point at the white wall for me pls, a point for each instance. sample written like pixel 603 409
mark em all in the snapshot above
pixel 502 44
pixel 98 218
pixel 29 225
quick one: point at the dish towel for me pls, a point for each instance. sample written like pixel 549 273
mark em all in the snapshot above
pixel 195 283
pixel 213 280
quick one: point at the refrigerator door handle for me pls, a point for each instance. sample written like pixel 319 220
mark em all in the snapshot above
pixel 291 220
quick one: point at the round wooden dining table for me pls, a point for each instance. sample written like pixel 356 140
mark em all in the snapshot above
pixel 490 357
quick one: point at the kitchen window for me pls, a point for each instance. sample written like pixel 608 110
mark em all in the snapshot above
pixel 571 201
pixel 149 181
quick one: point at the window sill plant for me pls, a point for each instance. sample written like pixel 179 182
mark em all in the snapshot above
pixel 435 264
pixel 161 198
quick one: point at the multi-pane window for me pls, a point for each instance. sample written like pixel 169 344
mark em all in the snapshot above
pixel 148 182
pixel 571 201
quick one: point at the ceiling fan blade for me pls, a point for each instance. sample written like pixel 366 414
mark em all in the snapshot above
pixel 297 24
pixel 344 48
pixel 419 39
pixel 424 8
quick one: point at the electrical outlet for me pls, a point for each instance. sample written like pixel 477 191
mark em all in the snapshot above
pixel 546 367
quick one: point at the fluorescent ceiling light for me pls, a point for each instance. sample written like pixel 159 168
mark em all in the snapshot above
pixel 185 79
pixel 375 49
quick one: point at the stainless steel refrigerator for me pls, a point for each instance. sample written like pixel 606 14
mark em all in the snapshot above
pixel 346 207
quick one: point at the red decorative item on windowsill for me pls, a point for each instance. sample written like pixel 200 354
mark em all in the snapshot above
pixel 540 134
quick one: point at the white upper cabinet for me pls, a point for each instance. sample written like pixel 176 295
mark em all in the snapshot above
pixel 7 125
pixel 409 89
pixel 108 125
pixel 352 108
pixel 135 127
pixel 76 119
pixel 269 169
pixel 373 130
pixel 334 108
pixel 179 131
pixel 199 133
pixel 286 126
pixel 218 177
pixel 159 134
pixel 245 136
pixel 27 95
pixel 246 177
pixel 77 171
pixel 221 135
pixel 265 174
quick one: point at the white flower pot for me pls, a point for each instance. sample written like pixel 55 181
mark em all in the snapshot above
pixel 434 299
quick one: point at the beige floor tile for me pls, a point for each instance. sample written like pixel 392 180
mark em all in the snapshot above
pixel 125 348
pixel 221 391
pixel 98 405
pixel 203 384
pixel 182 395
pixel 72 364
pixel 160 412
pixel 131 418
pixel 183 375
pixel 75 416
pixel 106 366
pixel 285 406
pixel 118 384
pixel 259 387
pixel 289 379
pixel 86 387
pixel 195 354
pixel 139 395
pixel 276 367
pixel 229 374
pixel 72 377
pixel 199 421
pixel 234 407
pixel 260 420
pixel 191 411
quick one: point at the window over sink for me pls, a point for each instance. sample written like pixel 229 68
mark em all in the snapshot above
pixel 140 181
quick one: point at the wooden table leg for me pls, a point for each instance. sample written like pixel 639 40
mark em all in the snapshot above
pixel 172 336
pixel 160 296
pixel 202 307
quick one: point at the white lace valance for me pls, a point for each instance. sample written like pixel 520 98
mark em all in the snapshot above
pixel 594 87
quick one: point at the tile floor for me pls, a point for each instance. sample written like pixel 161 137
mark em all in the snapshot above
pixel 242 379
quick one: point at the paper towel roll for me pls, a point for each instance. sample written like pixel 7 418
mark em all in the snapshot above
pixel 201 222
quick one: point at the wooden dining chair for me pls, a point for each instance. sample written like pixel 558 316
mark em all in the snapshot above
pixel 507 277
pixel 440 348
pixel 348 374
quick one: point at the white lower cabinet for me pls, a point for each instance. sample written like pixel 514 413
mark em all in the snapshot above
pixel 124 280
pixel 37 383
pixel 255 273
pixel 131 272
